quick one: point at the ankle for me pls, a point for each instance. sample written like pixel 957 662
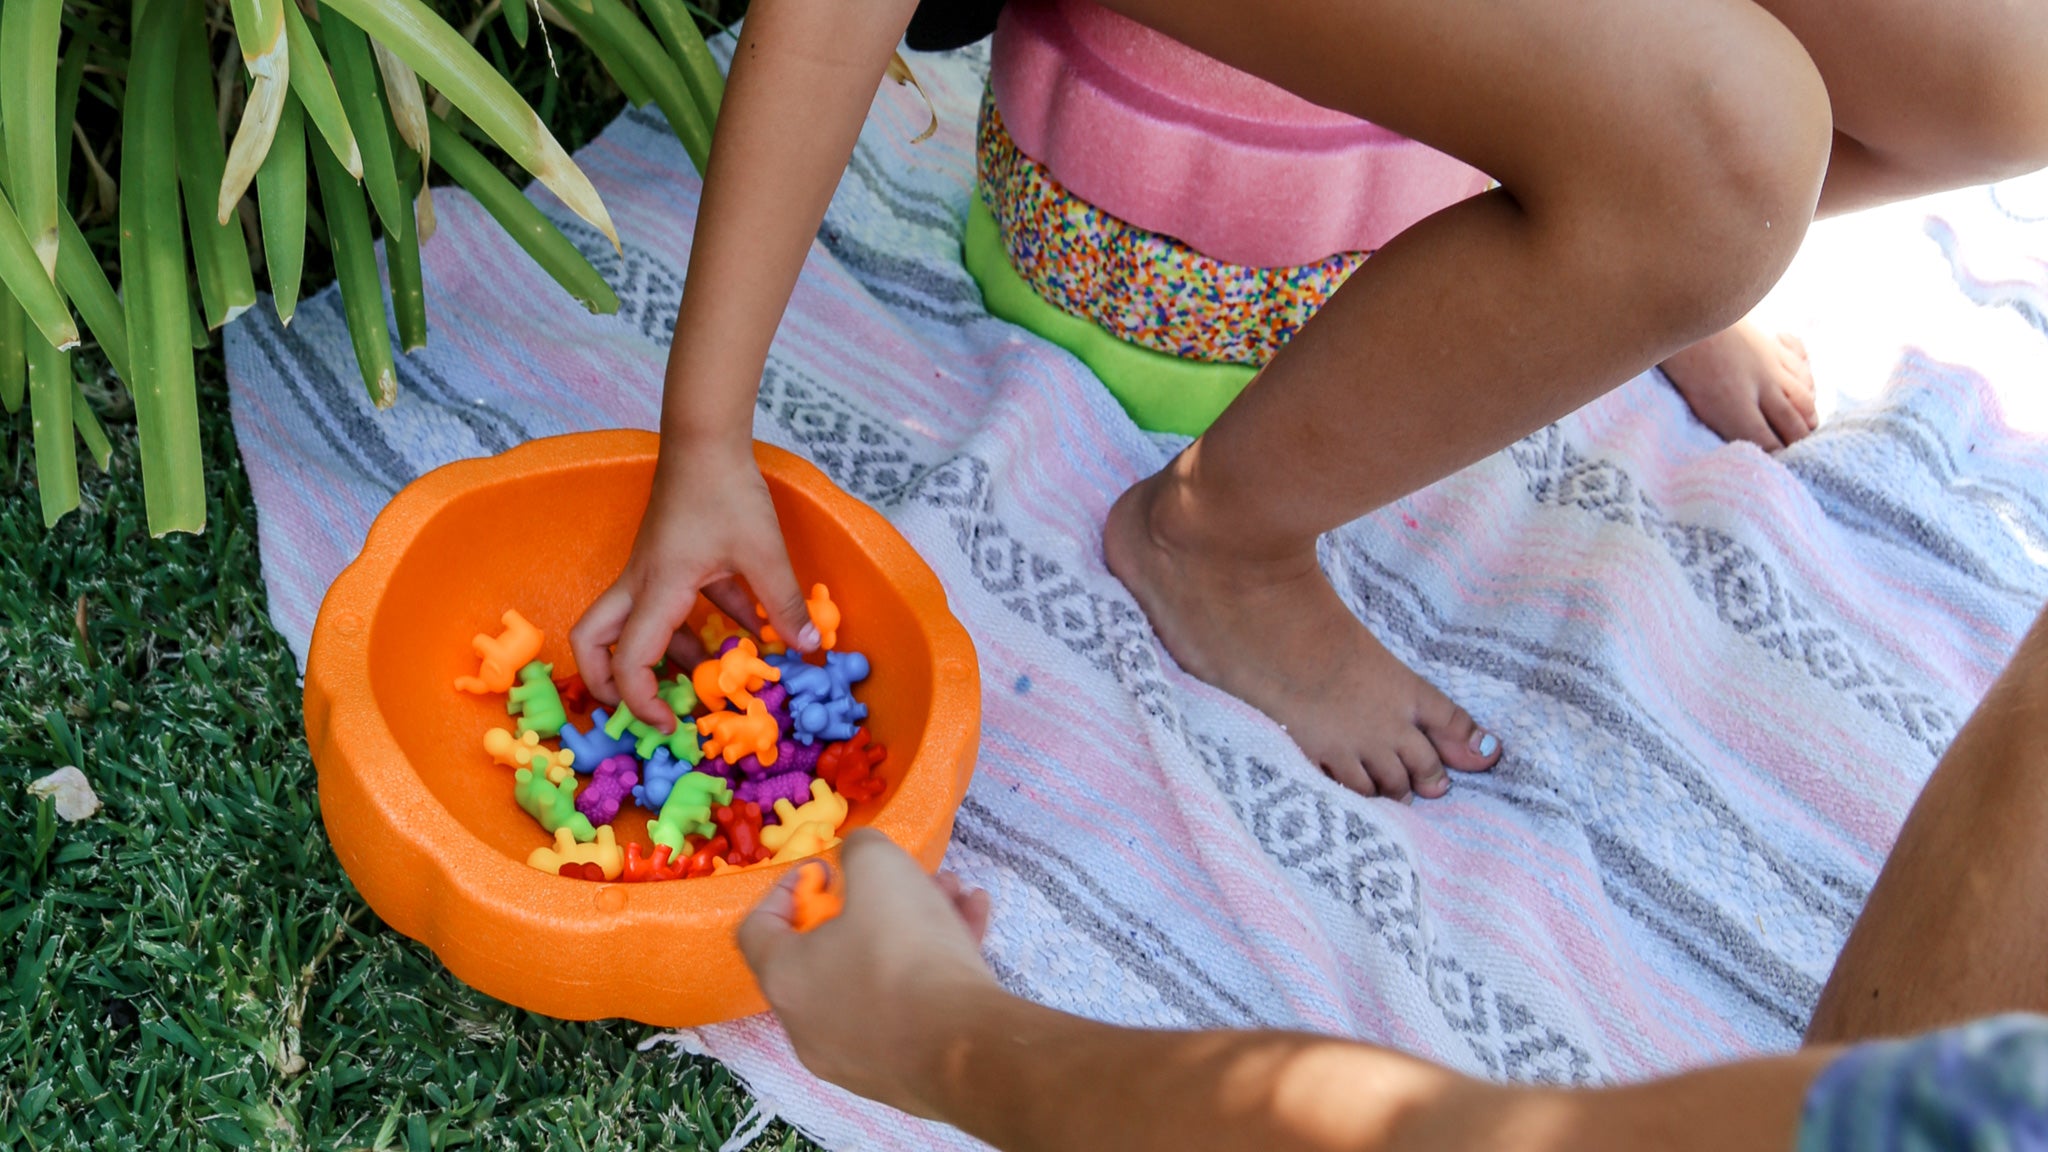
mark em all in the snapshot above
pixel 1178 518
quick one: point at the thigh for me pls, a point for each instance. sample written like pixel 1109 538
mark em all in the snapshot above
pixel 1939 86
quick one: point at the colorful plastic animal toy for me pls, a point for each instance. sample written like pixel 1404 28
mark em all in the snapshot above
pixel 814 899
pixel 821 703
pixel 731 735
pixel 608 788
pixel 528 752
pixel 535 701
pixel 599 860
pixel 790 756
pixel 553 803
pixel 682 743
pixel 575 697
pixel 739 825
pixel 795 787
pixel 640 869
pixel 658 775
pixel 807 840
pixel 849 767
pixel 824 614
pixel 594 746
pixel 775 698
pixel 825 808
pixel 503 656
pixel 718 628
pixel 687 811
pixel 733 676
pixel 706 859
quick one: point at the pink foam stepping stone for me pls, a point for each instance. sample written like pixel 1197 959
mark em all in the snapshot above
pixel 1173 141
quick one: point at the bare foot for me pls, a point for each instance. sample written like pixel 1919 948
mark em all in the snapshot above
pixel 1748 384
pixel 1276 635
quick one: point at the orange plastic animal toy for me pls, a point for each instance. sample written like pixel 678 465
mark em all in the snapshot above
pixel 824 614
pixel 504 655
pixel 734 676
pixel 814 899
pixel 732 735
pixel 600 860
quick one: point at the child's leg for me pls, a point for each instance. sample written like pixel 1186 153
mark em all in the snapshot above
pixel 1926 97
pixel 1660 162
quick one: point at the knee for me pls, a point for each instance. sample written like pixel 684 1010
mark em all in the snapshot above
pixel 1723 169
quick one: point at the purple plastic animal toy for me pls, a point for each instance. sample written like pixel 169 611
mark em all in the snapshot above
pixel 609 785
pixel 792 786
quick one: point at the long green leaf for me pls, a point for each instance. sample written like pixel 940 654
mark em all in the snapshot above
pixel 355 77
pixel 153 277
pixel 227 285
pixel 13 353
pixel 521 219
pixel 314 86
pixel 444 59
pixel 678 31
pixel 281 196
pixel 635 87
pixel 24 276
pixel 70 78
pixel 80 275
pixel 29 33
pixel 516 20
pixel 89 430
pixel 50 388
pixel 402 260
pixel 266 53
pixel 355 268
pixel 610 24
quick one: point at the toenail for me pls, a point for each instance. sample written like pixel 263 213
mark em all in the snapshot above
pixel 1484 743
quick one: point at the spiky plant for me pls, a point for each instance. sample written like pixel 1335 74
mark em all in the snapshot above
pixel 341 84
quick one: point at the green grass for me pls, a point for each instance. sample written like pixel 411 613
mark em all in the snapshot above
pixel 190 968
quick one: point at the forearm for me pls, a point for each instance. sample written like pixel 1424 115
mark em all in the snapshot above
pixel 802 79
pixel 1024 1077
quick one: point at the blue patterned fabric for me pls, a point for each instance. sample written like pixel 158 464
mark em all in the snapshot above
pixel 1982 1086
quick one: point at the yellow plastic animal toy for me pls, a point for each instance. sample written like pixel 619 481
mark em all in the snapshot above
pixel 601 859
pixel 806 840
pixel 826 808
pixel 503 655
pixel 528 752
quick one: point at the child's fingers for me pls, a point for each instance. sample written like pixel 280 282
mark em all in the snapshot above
pixel 641 644
pixel 775 584
pixel 685 650
pixel 592 638
pixel 767 928
pixel 732 598
pixel 974 908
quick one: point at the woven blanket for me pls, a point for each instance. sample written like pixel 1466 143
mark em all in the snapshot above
pixel 1721 676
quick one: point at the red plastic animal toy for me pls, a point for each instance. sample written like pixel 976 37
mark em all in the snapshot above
pixel 575 697
pixel 701 862
pixel 740 824
pixel 849 767
pixel 642 869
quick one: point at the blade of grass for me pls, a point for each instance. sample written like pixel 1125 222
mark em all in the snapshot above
pixel 524 222
pixel 227 285
pixel 50 388
pixel 13 353
pixel 281 197
pixel 89 430
pixel 444 59
pixel 573 17
pixel 29 34
pixel 314 86
pixel 153 278
pixel 516 20
pixel 259 29
pixel 678 31
pixel 610 24
pixel 70 76
pixel 22 271
pixel 355 77
pixel 355 267
pixel 402 95
pixel 80 275
pixel 402 261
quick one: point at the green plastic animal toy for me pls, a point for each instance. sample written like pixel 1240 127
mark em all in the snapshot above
pixel 554 805
pixel 687 812
pixel 681 744
pixel 535 701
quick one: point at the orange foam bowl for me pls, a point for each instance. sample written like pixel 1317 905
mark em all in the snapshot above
pixel 425 823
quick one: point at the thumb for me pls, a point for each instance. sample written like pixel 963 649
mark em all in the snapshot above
pixel 767 930
pixel 783 601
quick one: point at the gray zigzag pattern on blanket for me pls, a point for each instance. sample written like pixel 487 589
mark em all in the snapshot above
pixel 1359 865
pixel 1744 589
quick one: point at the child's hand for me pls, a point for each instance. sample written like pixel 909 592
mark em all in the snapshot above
pixel 864 995
pixel 708 522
